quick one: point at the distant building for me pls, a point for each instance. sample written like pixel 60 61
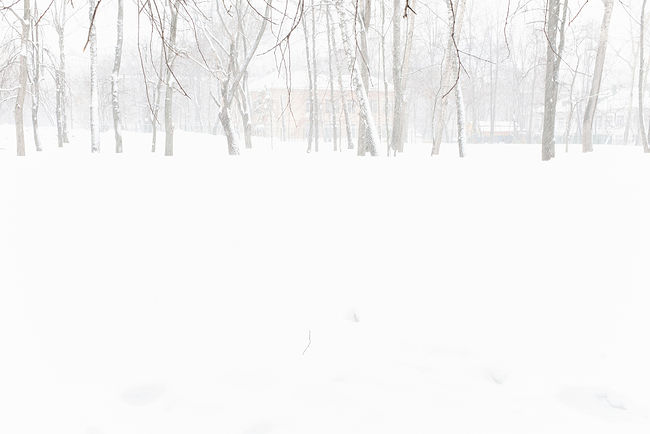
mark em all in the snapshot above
pixel 504 132
pixel 283 113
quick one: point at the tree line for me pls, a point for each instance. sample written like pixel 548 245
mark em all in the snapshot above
pixel 369 45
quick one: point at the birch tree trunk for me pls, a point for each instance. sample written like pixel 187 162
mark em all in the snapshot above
pixel 362 45
pixel 408 48
pixel 572 105
pixel 94 88
pixel 451 74
pixel 115 76
pixel 337 63
pixel 644 137
pixel 315 73
pixel 371 140
pixel 22 81
pixel 494 82
pixel 529 138
pixel 156 105
pixel 398 101
pixel 630 104
pixel 590 111
pixel 60 77
pixel 246 113
pixel 385 80
pixel 310 131
pixel 460 120
pixel 36 78
pixel 169 91
pixel 331 72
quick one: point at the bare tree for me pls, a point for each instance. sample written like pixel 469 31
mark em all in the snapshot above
pixel 162 71
pixel 22 79
pixel 315 73
pixel 398 101
pixel 94 86
pixel 382 47
pixel 630 104
pixel 553 29
pixel 312 100
pixel 363 14
pixel 339 76
pixel 494 80
pixel 644 136
pixel 533 88
pixel 371 138
pixel 572 105
pixel 232 63
pixel 157 96
pixel 59 13
pixel 331 78
pixel 590 111
pixel 170 55
pixel 35 76
pixel 243 105
pixel 115 77
pixel 451 75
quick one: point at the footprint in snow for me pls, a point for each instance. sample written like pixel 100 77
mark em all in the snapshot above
pixel 498 376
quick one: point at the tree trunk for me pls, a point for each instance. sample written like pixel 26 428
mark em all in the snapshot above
pixel 115 76
pixel 494 80
pixel 246 113
pixel 245 118
pixel 36 79
pixel 590 111
pixel 230 85
pixel 362 45
pixel 371 141
pixel 331 72
pixel 169 91
pixel 22 81
pixel 553 53
pixel 398 100
pixel 346 112
pixel 156 105
pixel 226 123
pixel 408 48
pixel 60 79
pixel 315 73
pixel 532 98
pixel 567 131
pixel 644 137
pixel 630 104
pixel 460 120
pixel 310 131
pixel 94 88
pixel 385 80
pixel 451 74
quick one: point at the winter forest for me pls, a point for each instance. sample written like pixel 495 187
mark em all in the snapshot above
pixel 374 77
pixel 486 274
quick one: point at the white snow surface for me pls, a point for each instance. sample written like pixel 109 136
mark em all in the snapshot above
pixel 285 292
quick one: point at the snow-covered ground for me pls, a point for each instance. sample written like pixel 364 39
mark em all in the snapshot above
pixel 284 292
